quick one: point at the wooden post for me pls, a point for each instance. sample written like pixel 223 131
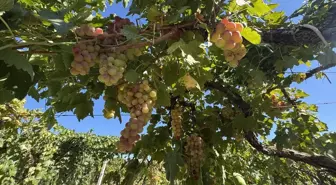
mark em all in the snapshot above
pixel 100 180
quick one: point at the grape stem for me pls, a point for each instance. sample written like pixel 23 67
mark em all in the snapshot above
pixel 27 44
pixel 38 52
pixel 9 29
pixel 142 44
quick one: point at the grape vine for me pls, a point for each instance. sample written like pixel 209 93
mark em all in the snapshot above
pixel 215 81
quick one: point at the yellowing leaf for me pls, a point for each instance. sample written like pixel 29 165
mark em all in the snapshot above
pixel 259 8
pixel 190 82
pixel 251 35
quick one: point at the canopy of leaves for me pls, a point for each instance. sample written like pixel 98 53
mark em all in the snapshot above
pixel 232 106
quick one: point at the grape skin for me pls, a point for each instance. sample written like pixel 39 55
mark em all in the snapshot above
pixel 176 116
pixel 195 154
pixel 111 70
pixel 140 104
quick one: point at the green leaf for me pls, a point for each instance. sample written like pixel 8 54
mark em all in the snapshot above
pixel 48 117
pixel 56 19
pixel 289 62
pixel 153 14
pixel 6 96
pixel 163 96
pixel 275 18
pixel 84 109
pixel 38 60
pixel 175 46
pixel 327 57
pixel 251 35
pixel 171 165
pixel 175 16
pixel 12 58
pixel 172 68
pixel 241 122
pixel 132 76
pixel 130 32
pixel 34 93
pixel 6 5
pixel 67 56
pixel 125 3
pixel 259 8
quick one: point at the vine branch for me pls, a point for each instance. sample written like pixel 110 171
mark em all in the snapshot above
pixel 312 72
pixel 27 44
pixel 165 37
pixel 311 159
pixel 309 74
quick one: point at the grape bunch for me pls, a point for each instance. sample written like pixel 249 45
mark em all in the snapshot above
pixel 195 155
pixel 111 69
pixel 227 36
pixel 86 30
pixel 139 99
pixel 176 116
pixel 85 55
pixel 130 134
pixel 278 103
pixel 118 24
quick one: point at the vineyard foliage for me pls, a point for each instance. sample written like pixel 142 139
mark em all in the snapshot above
pixel 209 80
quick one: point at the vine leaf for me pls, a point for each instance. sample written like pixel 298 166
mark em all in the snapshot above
pixel 153 14
pixel 131 76
pixel 175 46
pixel 163 96
pixel 172 68
pixel 241 122
pixel 275 18
pixel 327 57
pixel 84 109
pixel 125 3
pixel 12 58
pixel 49 117
pixel 5 96
pixel 251 35
pixel 259 8
pixel 6 5
pixel 34 93
pixel 130 32
pixel 57 20
pixel 172 162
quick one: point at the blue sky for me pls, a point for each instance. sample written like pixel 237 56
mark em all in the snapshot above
pixel 320 90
